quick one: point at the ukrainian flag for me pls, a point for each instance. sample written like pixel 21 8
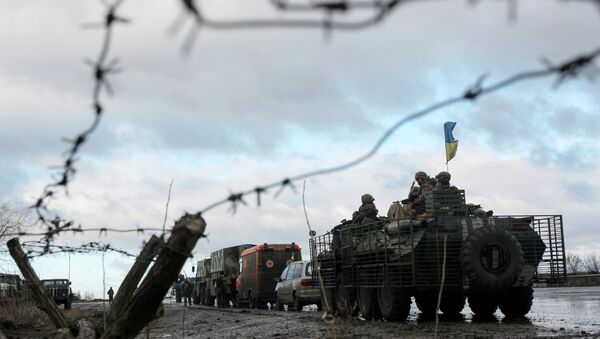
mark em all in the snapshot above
pixel 451 143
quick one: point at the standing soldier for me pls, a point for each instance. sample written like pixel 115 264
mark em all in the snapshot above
pixel 186 288
pixel 221 291
pixel 110 293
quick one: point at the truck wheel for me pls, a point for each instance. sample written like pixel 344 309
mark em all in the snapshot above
pixel 394 303
pixel 427 304
pixel 345 303
pixel 516 303
pixel 452 304
pixel 367 303
pixel 297 303
pixel 491 258
pixel 278 304
pixel 483 305
pixel 328 299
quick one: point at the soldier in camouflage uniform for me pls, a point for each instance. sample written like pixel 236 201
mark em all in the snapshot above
pixel 417 196
pixel 443 181
pixel 367 212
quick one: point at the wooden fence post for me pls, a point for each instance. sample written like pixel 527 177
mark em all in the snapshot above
pixel 131 281
pixel 142 307
pixel 46 303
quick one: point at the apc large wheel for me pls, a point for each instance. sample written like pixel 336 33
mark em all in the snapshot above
pixel 427 304
pixel 394 303
pixel 483 305
pixel 367 303
pixel 345 302
pixel 517 301
pixel 453 303
pixel 492 259
pixel 278 304
pixel 296 303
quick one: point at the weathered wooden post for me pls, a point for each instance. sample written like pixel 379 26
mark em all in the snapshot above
pixel 46 303
pixel 135 274
pixel 142 307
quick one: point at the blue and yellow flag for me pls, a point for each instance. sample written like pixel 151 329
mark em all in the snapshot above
pixel 451 143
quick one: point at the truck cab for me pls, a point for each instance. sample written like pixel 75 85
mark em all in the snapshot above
pixel 259 270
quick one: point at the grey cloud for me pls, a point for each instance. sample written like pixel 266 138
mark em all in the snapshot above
pixel 583 191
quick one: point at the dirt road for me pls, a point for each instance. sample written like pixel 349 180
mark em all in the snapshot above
pixel 557 312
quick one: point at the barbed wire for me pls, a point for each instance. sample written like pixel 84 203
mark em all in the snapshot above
pixel 102 67
pixel 35 249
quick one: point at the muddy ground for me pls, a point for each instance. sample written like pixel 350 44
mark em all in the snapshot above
pixel 556 312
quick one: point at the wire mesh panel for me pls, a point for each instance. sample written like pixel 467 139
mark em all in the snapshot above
pixel 445 202
pixel 322 248
pixel 542 241
pixel 419 252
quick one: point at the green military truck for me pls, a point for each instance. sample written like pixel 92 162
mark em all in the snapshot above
pixel 60 291
pixel 10 286
pixel 221 269
pixel 199 295
pixel 259 270
pixel 491 261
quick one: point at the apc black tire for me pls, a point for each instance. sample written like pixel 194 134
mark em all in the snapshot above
pixel 516 303
pixel 367 303
pixel 296 303
pixel 482 305
pixel 278 304
pixel 453 304
pixel 210 301
pixel 427 304
pixel 477 259
pixel 196 299
pixel 345 303
pixel 394 303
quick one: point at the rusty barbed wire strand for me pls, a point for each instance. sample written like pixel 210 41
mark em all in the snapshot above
pixel 102 67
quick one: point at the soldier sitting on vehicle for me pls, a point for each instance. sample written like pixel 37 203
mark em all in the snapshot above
pixel 477 211
pixel 416 197
pixel 443 181
pixel 367 212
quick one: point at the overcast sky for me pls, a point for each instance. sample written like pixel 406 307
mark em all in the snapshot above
pixel 248 108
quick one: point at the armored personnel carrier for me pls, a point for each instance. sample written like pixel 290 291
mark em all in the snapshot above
pixel 468 254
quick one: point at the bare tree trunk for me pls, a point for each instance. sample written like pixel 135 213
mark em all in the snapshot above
pixel 142 307
pixel 46 303
pixel 133 278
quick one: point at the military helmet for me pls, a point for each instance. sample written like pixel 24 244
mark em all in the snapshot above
pixel 421 175
pixel 366 198
pixel 443 175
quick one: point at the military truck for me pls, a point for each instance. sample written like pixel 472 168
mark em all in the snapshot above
pixel 199 295
pixel 60 291
pixel 222 268
pixel 491 261
pixel 259 270
pixel 10 286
